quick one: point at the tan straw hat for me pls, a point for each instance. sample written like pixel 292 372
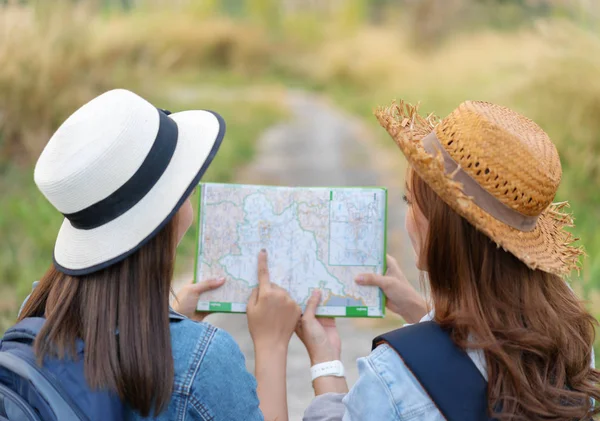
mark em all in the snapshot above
pixel 497 169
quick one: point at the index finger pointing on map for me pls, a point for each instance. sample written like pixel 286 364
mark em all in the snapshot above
pixel 263 271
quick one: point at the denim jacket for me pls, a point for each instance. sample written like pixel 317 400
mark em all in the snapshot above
pixel 211 380
pixel 386 390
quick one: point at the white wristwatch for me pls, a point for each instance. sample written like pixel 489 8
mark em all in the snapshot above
pixel 329 368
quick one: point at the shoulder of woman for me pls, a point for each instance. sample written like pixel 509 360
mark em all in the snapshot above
pixel 386 389
pixel 199 348
pixel 216 380
pixel 196 339
pixel 384 357
pixel 388 369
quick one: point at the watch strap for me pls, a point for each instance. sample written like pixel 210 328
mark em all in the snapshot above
pixel 329 368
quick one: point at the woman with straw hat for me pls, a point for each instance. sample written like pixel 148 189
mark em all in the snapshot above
pixel 122 171
pixel 494 248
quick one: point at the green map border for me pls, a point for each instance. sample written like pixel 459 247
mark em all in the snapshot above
pixel 357 312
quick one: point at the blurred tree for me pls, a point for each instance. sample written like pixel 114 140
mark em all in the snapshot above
pixel 431 20
pixel 126 4
pixel 266 12
pixel 530 7
pixel 204 8
pixel 352 13
pixel 232 7
pixel 329 7
pixel 380 11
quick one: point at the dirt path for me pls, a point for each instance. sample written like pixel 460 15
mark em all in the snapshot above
pixel 321 146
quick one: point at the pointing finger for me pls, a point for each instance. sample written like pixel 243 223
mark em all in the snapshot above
pixel 263 271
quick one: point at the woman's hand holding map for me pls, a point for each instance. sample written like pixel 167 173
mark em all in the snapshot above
pixel 401 297
pixel 187 298
pixel 322 341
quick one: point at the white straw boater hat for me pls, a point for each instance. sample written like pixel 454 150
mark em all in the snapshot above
pixel 497 169
pixel 119 169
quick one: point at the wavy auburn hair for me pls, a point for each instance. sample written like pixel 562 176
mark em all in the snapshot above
pixel 536 334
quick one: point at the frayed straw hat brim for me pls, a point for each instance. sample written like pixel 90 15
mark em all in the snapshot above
pixel 548 247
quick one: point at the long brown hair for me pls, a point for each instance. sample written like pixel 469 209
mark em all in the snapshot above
pixel 122 315
pixel 536 335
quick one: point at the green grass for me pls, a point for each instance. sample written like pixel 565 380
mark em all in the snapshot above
pixel 29 225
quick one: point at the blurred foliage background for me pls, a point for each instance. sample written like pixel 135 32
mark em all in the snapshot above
pixel 541 57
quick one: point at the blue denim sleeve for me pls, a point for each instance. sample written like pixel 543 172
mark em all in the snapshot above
pixel 226 388
pixel 370 397
pixel 387 390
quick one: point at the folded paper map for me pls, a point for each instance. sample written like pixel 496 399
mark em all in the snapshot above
pixel 315 238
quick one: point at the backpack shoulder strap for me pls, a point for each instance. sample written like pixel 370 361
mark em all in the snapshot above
pixel 32 374
pixel 25 331
pixel 445 371
pixel 58 389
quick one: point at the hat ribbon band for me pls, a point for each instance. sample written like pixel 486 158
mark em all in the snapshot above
pixel 481 197
pixel 140 183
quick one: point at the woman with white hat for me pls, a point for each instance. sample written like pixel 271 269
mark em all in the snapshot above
pixel 121 172
pixel 494 249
